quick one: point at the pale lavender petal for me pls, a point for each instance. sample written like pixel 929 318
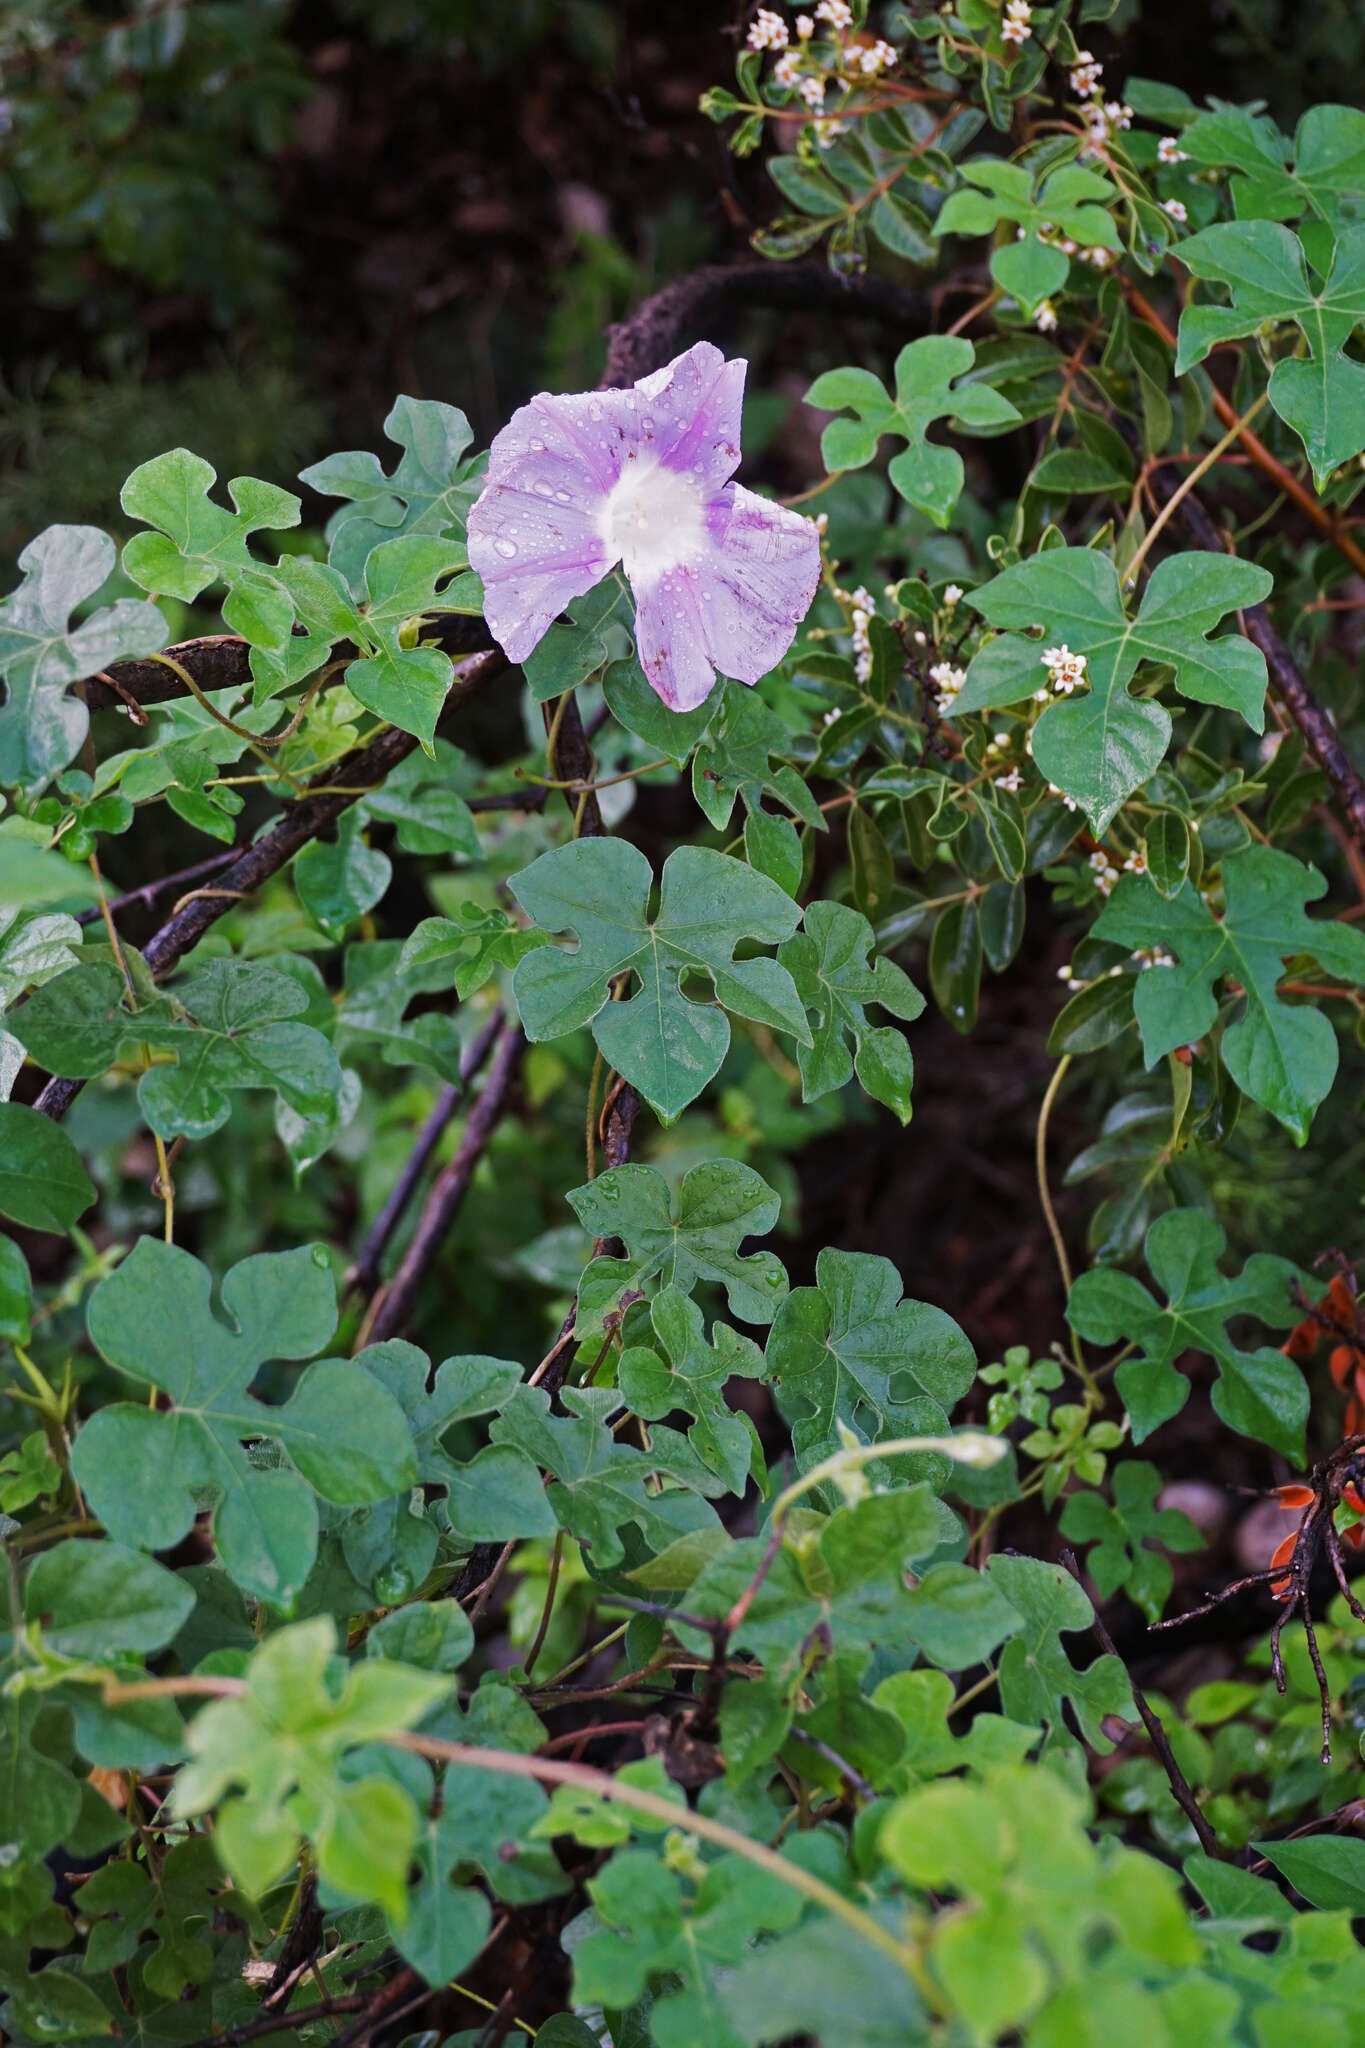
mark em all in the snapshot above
pixel 576 484
pixel 690 414
pixel 535 536
pixel 761 572
pixel 672 640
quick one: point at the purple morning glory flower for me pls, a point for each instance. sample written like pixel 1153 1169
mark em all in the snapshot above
pixel 722 578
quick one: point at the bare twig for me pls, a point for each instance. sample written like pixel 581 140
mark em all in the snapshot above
pixel 1151 1721
pixel 442 1205
pixel 365 1270
pixel 278 2022
pixel 162 885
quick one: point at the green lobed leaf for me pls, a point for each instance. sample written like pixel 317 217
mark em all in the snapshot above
pixel 1259 1393
pixel 928 387
pixel 1282 1055
pixel 345 1434
pixel 661 1040
pixel 719 1205
pixel 1101 746
pixel 42 653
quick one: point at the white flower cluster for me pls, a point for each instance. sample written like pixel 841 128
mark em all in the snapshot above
pixel 1175 209
pixel 1168 151
pixel 1105 873
pixel 1015 27
pixel 1154 956
pixel 864 609
pixel 947 682
pixel 802 71
pixel 1101 120
pixel 1066 671
pixel 1100 117
pixel 1085 76
pixel 767 31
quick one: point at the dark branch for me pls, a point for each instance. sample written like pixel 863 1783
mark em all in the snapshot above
pixel 220 661
pixel 305 820
pixel 280 2022
pixel 1151 1721
pixel 448 1191
pixel 365 1270
pixel 691 304
pixel 162 885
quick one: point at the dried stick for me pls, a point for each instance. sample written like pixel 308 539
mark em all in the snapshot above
pixel 394 1306
pixel 161 886
pixel 692 303
pixel 364 1271
pixel 278 2022
pixel 1151 1721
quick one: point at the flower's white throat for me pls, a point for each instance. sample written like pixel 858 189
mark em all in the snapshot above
pixel 652 520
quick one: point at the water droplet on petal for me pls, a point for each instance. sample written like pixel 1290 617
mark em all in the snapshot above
pixel 563 497
pixel 536 444
pixel 506 548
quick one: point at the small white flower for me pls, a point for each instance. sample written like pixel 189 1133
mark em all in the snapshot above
pixel 1154 956
pixel 1011 782
pixel 1066 671
pixel 1135 863
pixel 1069 975
pixel 1098 257
pixel 1085 78
pixel 822 524
pixel 812 91
pixel 1168 151
pixel 1175 208
pixel 1069 802
pixel 787 70
pixel 947 681
pixel 767 31
pixel 953 595
pixel 880 57
pixel 919 639
pixel 826 130
pixel 805 27
pixel 1117 114
pixel 1015 29
pixel 1105 873
pixel 837 13
pixel 1045 318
